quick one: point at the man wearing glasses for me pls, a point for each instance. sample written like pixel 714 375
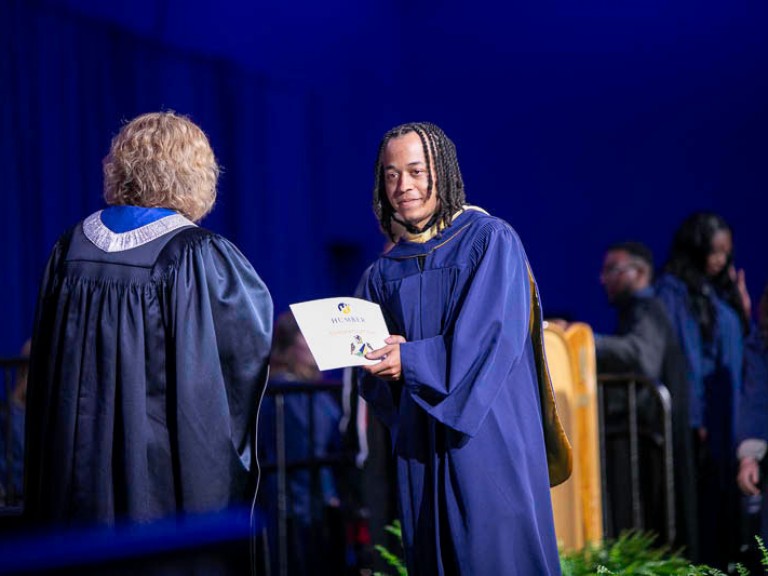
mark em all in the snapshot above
pixel 645 344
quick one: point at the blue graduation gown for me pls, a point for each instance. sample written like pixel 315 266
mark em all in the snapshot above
pixel 148 364
pixel 466 416
pixel 714 370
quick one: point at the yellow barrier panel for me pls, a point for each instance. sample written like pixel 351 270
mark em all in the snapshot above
pixel 581 342
pixel 566 501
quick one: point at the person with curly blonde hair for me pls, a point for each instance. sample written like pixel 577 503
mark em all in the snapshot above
pixel 150 348
pixel 162 160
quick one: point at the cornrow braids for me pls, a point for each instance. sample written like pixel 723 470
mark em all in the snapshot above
pixel 440 153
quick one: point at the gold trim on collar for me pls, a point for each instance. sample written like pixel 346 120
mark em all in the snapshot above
pixel 427 235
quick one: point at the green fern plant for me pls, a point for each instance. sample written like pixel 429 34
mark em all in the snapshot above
pixel 389 557
pixel 763 552
pixel 635 554
pixel 632 554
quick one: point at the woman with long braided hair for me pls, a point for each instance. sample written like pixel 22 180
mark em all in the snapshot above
pixel 708 304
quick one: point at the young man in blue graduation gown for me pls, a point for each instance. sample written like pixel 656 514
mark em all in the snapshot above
pixel 150 350
pixel 462 383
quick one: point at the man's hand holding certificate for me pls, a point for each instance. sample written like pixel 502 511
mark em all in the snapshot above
pixel 387 366
pixel 341 331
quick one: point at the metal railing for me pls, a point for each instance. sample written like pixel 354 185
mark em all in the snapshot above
pixel 627 425
pixel 631 387
pixel 282 468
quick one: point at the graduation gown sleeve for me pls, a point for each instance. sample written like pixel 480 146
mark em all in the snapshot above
pixel 221 318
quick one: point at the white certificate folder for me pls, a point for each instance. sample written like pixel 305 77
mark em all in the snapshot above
pixel 340 331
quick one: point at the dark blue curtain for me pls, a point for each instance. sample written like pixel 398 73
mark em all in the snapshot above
pixel 581 124
pixel 68 82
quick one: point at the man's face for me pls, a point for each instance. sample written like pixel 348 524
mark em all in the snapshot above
pixel 620 275
pixel 406 180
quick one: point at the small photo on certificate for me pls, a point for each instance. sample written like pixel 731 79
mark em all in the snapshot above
pixel 341 331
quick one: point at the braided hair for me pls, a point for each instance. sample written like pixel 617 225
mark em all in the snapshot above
pixel 440 154
pixel 688 261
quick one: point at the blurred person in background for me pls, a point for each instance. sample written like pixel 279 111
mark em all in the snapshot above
pixel 753 426
pixel 314 528
pixel 708 303
pixel 645 343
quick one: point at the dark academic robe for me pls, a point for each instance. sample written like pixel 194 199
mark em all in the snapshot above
pixel 466 416
pixel 645 343
pixel 148 364
pixel 714 370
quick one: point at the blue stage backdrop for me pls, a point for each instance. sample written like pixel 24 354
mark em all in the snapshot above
pixel 580 123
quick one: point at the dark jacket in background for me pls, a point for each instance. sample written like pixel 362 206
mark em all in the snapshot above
pixel 645 343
